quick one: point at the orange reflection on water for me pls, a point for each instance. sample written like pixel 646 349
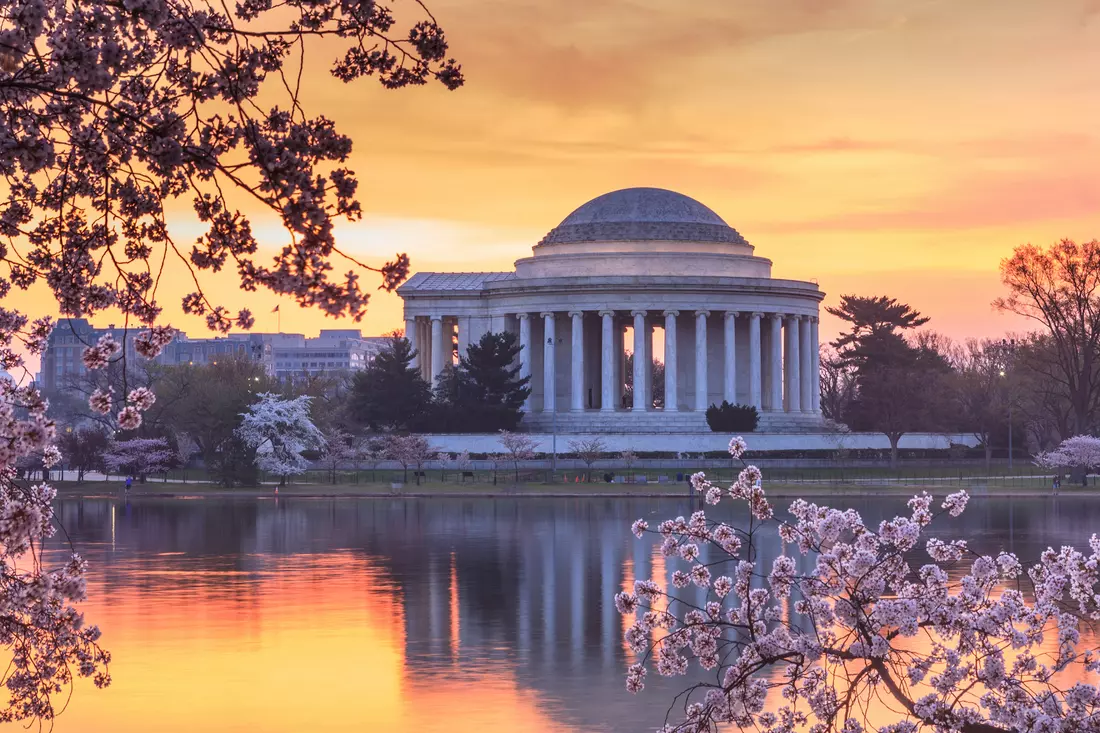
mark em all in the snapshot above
pixel 455 635
pixel 308 643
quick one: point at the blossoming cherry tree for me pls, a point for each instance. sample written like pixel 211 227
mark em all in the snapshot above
pixel 936 635
pixel 280 430
pixel 1080 453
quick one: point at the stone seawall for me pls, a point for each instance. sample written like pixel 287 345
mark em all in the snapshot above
pixel 696 443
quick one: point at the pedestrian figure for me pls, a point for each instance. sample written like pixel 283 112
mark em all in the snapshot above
pixel 1057 484
pixel 129 483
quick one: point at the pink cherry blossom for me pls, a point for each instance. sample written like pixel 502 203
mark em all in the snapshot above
pixel 955 504
pixel 151 342
pixel 129 418
pixel 835 630
pixel 737 447
pixel 100 401
pixel 141 398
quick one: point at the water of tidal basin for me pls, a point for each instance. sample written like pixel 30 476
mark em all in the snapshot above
pixel 404 615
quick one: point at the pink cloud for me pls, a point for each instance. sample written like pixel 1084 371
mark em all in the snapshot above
pixel 990 200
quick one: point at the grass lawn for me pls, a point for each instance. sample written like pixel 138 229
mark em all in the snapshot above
pixel 506 487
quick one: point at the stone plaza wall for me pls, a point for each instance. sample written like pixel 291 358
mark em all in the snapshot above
pixel 703 443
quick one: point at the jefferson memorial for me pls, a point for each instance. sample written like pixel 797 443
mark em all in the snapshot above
pixel 632 262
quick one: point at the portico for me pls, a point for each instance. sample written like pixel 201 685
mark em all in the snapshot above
pixel 621 267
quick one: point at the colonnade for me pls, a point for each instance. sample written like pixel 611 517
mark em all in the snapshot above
pixel 766 359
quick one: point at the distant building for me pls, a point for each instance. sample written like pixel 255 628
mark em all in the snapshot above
pixel 285 356
pixel 288 356
pixel 62 363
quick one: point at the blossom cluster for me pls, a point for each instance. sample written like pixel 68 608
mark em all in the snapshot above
pixel 138 400
pixel 50 643
pixel 952 644
pixel 112 109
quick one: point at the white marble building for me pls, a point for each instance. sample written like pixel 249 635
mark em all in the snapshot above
pixel 636 260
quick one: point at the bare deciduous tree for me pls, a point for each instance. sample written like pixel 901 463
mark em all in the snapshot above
pixel 981 391
pixel 589 450
pixel 409 450
pixel 838 385
pixel 520 447
pixel 1059 288
pixel 339 450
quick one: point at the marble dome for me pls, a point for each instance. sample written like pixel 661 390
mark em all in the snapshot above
pixel 643 214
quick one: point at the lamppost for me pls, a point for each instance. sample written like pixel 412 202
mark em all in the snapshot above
pixel 1007 348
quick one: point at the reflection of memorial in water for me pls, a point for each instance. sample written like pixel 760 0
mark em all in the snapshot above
pixel 511 596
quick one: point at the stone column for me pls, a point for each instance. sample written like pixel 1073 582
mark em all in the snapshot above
pixel 640 361
pixel 672 401
pixel 807 365
pixel 776 364
pixel 525 353
pixel 576 353
pixel 608 399
pixel 793 366
pixel 410 334
pixel 649 352
pixel 424 341
pixel 755 376
pixel 729 392
pixel 701 397
pixel 549 372
pixel 437 347
pixel 816 369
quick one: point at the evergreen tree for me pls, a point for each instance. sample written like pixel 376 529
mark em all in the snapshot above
pixel 485 392
pixel 875 338
pixel 492 367
pixel 390 394
pixel 898 385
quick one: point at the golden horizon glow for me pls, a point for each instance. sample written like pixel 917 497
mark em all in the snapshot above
pixel 893 147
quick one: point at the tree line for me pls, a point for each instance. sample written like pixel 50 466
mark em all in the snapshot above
pixel 882 374
pixel 238 421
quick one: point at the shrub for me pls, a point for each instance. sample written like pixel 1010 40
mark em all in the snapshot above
pixel 728 418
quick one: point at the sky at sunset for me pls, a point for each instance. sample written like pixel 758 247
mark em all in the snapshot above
pixel 876 146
